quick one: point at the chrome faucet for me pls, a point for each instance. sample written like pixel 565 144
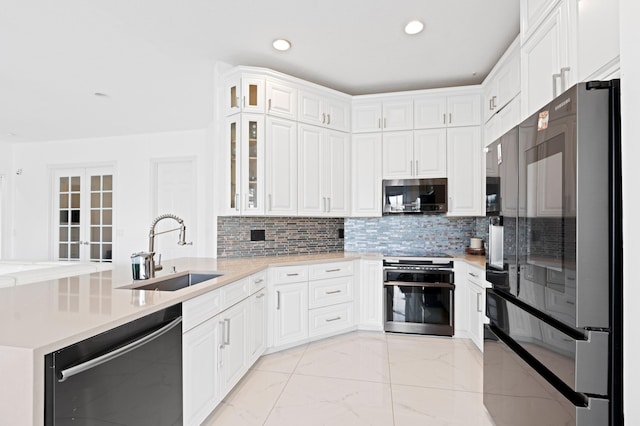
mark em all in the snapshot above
pixel 152 236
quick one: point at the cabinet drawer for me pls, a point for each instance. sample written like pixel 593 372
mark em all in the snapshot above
pixel 330 292
pixel 258 281
pixel 199 309
pixel 330 319
pixel 290 274
pixel 330 270
pixel 234 292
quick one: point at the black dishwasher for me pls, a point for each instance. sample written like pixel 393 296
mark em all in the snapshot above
pixel 130 376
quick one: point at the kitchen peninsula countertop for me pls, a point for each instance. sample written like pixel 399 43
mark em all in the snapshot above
pixel 52 314
pixel 42 317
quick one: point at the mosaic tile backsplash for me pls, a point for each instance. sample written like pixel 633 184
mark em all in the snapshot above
pixel 413 232
pixel 283 236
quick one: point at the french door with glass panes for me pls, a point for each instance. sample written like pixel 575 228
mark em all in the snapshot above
pixel 83 214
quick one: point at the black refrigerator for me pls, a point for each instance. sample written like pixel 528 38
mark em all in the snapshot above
pixel 553 345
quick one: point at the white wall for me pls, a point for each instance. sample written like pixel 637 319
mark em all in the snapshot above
pixel 131 156
pixel 6 174
pixel 630 93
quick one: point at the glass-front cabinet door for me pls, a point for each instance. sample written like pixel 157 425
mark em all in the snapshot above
pixel 244 94
pixel 245 165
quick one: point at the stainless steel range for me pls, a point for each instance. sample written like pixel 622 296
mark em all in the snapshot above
pixel 419 293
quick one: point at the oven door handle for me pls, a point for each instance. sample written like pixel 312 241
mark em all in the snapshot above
pixel 411 284
pixel 77 369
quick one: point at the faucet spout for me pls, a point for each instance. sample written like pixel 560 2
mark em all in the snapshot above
pixel 152 236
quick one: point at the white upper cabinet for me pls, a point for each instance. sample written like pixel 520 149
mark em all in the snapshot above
pixel 326 111
pixel 366 117
pixel 397 155
pixel 598 39
pixel 366 175
pixel 397 115
pixel 387 115
pixel 532 13
pixel 414 155
pixel 323 172
pixel 548 59
pixel 281 166
pixel 244 93
pixel 436 111
pixel 243 165
pixel 430 112
pixel 503 83
pixel 464 171
pixel 430 153
pixel 282 99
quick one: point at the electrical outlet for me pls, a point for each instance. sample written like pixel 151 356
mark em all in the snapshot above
pixel 257 235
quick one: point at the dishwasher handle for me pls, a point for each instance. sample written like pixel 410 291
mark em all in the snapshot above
pixel 87 365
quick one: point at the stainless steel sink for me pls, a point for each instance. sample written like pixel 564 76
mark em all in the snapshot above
pixel 176 282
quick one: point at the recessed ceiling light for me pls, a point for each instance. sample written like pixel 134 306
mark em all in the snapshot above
pixel 413 27
pixel 281 44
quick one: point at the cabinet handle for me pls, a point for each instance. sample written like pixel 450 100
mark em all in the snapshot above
pixel 563 80
pixel 490 104
pixel 221 345
pixel 270 203
pixel 411 167
pixel 449 118
pixel 328 204
pixel 323 117
pixel 328 118
pixel 478 302
pixel 332 270
pixel 227 340
pixel 333 292
pixel 333 319
pixel 295 274
pixel 260 296
pixel 237 207
pixel 474 275
pixel 277 300
pixel 258 281
pixel 244 102
pixel 269 108
pixel 494 99
pixel 379 123
pixel 384 121
pixel 444 118
pixel 554 78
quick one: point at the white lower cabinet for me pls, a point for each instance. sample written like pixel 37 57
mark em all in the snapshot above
pixel 289 310
pixel 330 319
pixel 257 325
pixel 200 372
pixel 370 295
pixel 224 332
pixel 309 302
pixel 330 298
pixel 475 292
pixel 233 347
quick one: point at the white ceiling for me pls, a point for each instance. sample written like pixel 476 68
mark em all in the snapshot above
pixel 155 58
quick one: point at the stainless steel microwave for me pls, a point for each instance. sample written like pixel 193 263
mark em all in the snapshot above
pixel 417 196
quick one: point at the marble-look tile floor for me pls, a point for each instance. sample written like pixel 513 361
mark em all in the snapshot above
pixel 362 378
